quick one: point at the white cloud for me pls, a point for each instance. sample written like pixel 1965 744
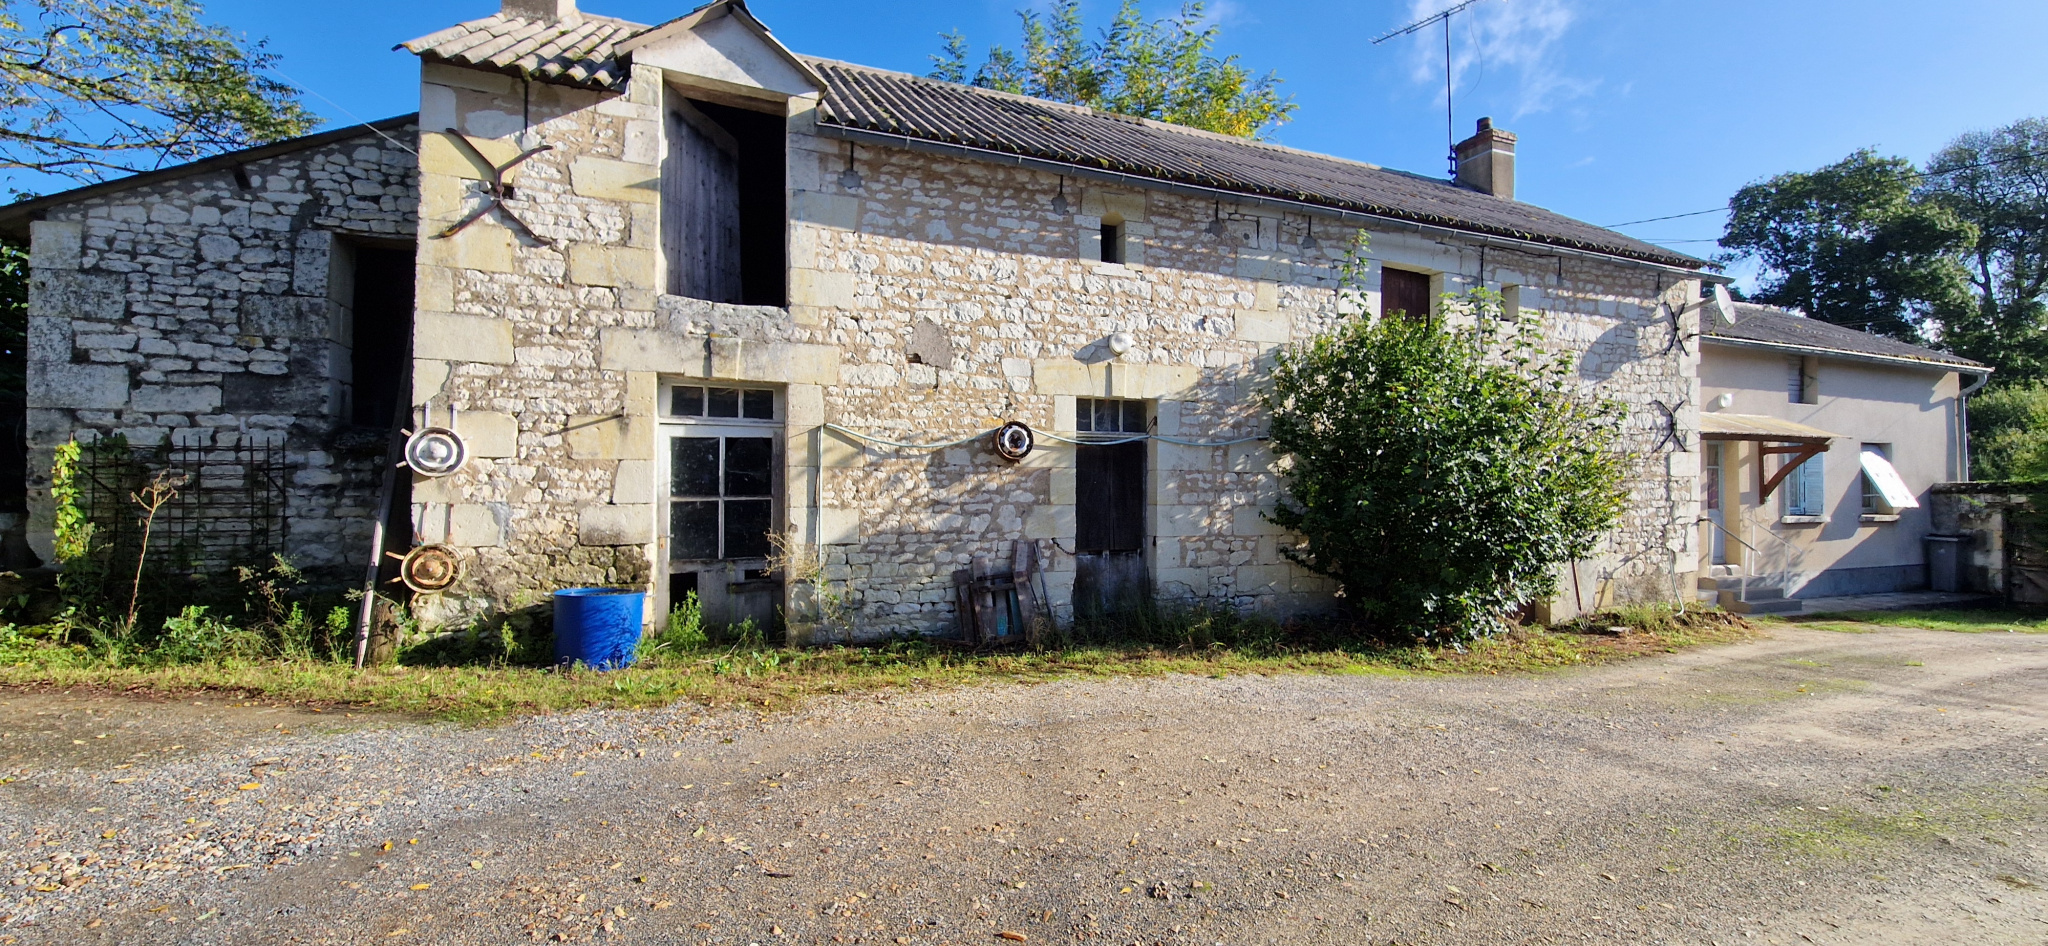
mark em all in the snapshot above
pixel 1500 42
pixel 1226 13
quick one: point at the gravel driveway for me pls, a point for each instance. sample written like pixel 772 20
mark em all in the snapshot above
pixel 1809 788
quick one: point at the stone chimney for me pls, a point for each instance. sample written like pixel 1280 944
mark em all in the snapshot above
pixel 547 11
pixel 1486 161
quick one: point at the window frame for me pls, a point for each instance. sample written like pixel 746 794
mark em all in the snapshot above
pixel 1803 497
pixel 673 426
pixel 1112 242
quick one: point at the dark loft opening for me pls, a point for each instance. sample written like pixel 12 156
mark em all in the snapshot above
pixel 382 333
pixel 1112 242
pixel 724 216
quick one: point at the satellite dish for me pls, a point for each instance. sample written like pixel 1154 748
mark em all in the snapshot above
pixel 1723 305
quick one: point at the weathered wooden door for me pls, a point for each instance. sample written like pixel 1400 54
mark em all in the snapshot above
pixel 1109 513
pixel 701 212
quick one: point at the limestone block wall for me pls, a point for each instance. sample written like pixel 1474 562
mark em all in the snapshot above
pixel 929 298
pixel 559 490
pixel 912 245
pixel 203 310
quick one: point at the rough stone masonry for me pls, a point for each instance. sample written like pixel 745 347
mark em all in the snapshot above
pixel 913 295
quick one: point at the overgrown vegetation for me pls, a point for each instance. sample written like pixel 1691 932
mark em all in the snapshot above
pixel 737 672
pixel 2009 433
pixel 1441 470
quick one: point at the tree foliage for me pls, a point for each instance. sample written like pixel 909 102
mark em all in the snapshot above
pixel 1164 69
pixel 1442 474
pixel 90 88
pixel 1849 244
pixel 2009 433
pixel 1998 182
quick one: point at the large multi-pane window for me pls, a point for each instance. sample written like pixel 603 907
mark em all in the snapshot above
pixel 721 472
pixel 720 497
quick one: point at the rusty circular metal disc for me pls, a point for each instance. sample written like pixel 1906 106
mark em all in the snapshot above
pixel 435 451
pixel 1014 440
pixel 430 568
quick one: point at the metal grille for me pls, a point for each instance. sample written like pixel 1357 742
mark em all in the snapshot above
pixel 229 509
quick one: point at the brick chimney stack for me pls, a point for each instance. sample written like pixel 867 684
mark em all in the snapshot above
pixel 547 11
pixel 1486 161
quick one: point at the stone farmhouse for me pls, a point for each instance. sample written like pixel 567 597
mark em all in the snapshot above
pixel 684 296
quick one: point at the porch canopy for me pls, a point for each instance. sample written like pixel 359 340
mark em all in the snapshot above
pixel 1797 442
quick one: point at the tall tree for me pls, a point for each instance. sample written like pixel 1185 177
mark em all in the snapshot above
pixel 90 88
pixel 1163 69
pixel 1849 244
pixel 1998 182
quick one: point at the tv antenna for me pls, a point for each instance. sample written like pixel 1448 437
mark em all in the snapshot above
pixel 1442 16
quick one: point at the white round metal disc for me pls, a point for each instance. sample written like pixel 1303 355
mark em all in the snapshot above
pixel 1014 440
pixel 435 451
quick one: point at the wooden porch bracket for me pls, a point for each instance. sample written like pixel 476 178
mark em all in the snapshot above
pixel 1796 454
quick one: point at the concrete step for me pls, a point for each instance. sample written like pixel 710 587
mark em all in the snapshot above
pixel 1778 605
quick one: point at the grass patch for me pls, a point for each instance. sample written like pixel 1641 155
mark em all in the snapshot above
pixel 775 678
pixel 1961 622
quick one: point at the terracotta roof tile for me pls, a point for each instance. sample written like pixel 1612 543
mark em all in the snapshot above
pixel 580 51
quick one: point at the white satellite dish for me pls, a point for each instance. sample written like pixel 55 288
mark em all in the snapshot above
pixel 1723 305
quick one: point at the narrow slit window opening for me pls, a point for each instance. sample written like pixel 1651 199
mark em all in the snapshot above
pixel 1113 240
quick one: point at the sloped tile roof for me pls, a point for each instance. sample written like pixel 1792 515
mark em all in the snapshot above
pixel 1772 326
pixel 581 51
pixel 584 52
pixel 914 107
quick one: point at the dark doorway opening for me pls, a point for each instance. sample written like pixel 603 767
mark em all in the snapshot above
pixel 725 229
pixel 380 362
pixel 382 334
pixel 1109 510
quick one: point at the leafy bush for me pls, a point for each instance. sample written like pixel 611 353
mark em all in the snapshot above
pixel 193 636
pixel 1441 474
pixel 684 633
pixel 2009 433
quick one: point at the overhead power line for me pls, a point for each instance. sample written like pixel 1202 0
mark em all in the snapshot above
pixel 2008 159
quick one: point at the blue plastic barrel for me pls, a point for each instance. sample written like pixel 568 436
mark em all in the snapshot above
pixel 597 627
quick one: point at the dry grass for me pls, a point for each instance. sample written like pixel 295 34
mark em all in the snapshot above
pixel 780 678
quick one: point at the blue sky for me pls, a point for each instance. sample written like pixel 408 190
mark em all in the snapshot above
pixel 1626 109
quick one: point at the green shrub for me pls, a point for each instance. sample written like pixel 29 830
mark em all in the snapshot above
pixel 2009 433
pixel 1441 474
pixel 194 636
pixel 683 634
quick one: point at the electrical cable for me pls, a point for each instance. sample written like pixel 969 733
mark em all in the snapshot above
pixel 359 121
pixel 1916 173
pixel 1049 436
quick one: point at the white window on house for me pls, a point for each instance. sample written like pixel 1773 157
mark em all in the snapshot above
pixel 1805 491
pixel 1884 490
